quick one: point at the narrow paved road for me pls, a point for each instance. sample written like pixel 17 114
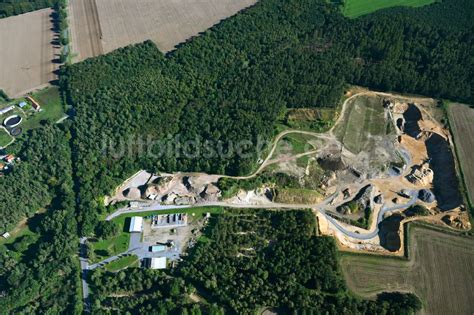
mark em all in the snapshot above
pixel 84 272
pixel 370 235
pixel 271 205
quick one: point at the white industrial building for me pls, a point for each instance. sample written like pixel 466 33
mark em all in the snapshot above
pixel 157 263
pixel 136 224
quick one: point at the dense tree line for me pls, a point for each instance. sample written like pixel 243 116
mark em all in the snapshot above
pixel 15 7
pixel 230 85
pixel 40 274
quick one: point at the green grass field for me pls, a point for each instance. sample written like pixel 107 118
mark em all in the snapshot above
pixel 122 263
pixel 105 248
pixel 439 271
pixel 298 196
pixel 52 108
pixel 5 138
pixel 356 8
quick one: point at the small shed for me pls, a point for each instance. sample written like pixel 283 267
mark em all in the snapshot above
pixel 157 263
pixel 22 104
pixel 158 248
pixel 6 235
pixel 136 225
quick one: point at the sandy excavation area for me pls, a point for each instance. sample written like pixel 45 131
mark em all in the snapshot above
pixel 100 26
pixel 27 52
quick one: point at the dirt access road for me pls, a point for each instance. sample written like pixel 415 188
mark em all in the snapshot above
pixel 27 52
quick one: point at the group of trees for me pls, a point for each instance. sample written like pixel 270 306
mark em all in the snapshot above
pixel 15 7
pixel 145 291
pixel 37 177
pixel 267 259
pixel 249 260
pixel 40 273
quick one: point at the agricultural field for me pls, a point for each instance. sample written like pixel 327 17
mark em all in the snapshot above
pixel 439 271
pixel 461 119
pixel 85 29
pixel 356 8
pixel 100 26
pixel 27 54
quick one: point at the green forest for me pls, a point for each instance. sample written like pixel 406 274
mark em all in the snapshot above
pixel 39 272
pixel 247 261
pixel 15 7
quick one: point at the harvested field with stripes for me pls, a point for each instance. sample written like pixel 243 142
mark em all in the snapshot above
pixel 439 271
pixel 461 119
pixel 101 26
pixel 27 52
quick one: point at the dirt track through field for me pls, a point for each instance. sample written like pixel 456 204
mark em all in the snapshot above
pixel 27 52
pixel 85 29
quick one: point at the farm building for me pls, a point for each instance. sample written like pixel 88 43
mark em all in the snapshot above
pixel 6 109
pixel 9 158
pixel 35 104
pixel 136 224
pixel 157 263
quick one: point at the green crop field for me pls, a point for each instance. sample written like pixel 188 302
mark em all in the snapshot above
pixel 439 271
pixel 356 8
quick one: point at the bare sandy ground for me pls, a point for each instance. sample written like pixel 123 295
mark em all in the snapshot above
pixel 26 52
pixel 118 23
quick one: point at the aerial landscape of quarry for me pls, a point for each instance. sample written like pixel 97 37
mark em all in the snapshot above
pixel 236 157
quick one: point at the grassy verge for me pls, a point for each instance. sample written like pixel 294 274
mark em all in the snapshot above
pixel 122 263
pixel 5 138
pixel 356 8
pixel 297 196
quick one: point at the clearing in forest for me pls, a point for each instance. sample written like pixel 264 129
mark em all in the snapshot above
pixel 356 8
pixel 27 53
pixel 461 119
pixel 439 271
pixel 363 119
